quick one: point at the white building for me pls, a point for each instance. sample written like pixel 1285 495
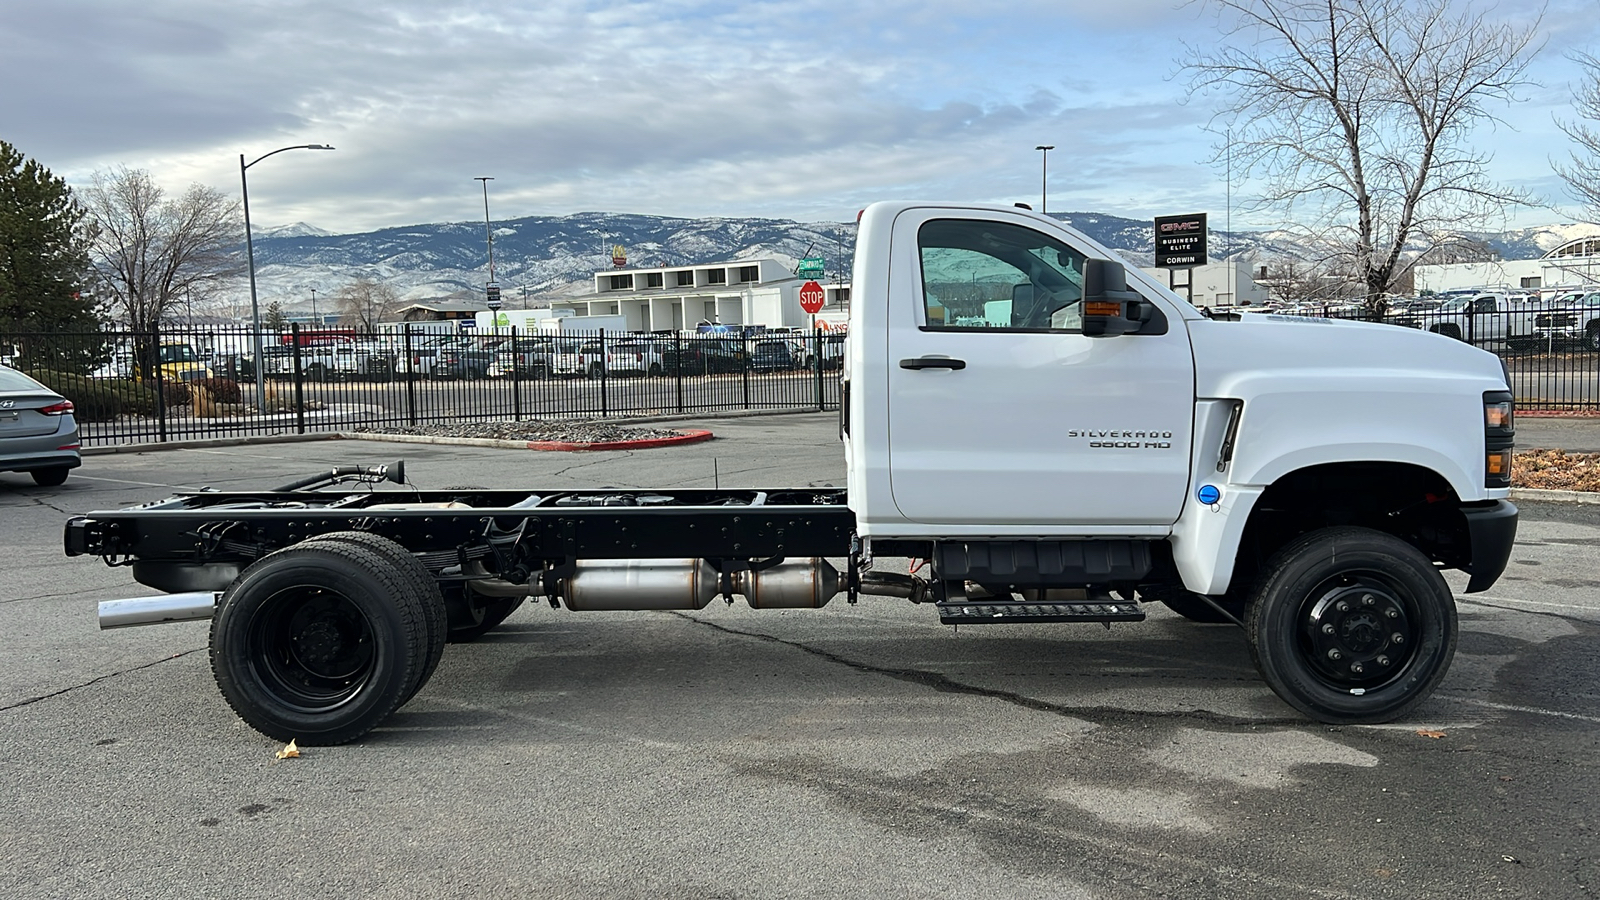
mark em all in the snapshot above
pixel 1574 265
pixel 1226 283
pixel 678 298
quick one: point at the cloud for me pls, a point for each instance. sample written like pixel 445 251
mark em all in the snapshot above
pixel 679 107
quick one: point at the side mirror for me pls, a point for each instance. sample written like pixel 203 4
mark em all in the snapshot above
pixel 1109 308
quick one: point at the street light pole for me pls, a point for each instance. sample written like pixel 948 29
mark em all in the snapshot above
pixel 314 317
pixel 1044 176
pixel 488 235
pixel 250 262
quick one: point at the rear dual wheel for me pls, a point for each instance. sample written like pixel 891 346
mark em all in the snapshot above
pixel 321 641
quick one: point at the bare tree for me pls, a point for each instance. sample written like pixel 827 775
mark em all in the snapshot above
pixel 364 303
pixel 1583 173
pixel 152 251
pixel 1356 116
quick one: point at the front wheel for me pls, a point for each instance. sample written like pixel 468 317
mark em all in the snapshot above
pixel 1591 337
pixel 1352 626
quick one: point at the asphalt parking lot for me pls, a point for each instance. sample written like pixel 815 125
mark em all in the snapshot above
pixel 857 751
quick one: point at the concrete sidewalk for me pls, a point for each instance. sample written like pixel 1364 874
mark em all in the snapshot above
pixel 1575 435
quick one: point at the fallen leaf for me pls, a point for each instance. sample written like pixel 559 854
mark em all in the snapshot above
pixel 1423 732
pixel 289 752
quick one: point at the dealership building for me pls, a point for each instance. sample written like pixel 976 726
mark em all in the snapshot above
pixel 679 298
pixel 1572 266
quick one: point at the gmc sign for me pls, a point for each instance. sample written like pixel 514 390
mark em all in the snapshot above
pixel 1181 241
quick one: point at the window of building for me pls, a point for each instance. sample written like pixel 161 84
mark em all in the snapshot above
pixel 748 274
pixel 841 297
pixel 622 282
pixel 653 279
pixel 685 279
pixel 717 276
pixel 992 276
pixel 1534 283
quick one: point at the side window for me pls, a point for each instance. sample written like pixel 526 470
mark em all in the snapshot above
pixel 994 276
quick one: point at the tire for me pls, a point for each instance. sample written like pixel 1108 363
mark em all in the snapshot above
pixel 655 370
pixel 596 372
pixel 1316 615
pixel 316 373
pixel 319 642
pixel 427 589
pixel 473 615
pixel 50 477
pixel 1591 336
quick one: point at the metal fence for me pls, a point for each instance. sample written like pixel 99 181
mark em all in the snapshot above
pixel 177 384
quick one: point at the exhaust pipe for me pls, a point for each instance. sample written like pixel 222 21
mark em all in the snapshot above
pixel 158 609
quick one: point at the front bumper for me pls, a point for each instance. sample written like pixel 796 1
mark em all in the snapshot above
pixel 1492 529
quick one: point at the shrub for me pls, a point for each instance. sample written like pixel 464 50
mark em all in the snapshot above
pixel 93 400
pixel 222 390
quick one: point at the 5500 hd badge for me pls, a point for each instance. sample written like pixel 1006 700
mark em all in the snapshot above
pixel 1126 440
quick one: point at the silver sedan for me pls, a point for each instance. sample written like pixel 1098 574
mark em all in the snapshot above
pixel 38 433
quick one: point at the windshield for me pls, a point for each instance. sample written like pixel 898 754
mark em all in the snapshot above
pixel 1456 305
pixel 177 353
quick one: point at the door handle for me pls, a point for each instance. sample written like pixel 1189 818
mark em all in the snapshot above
pixel 933 362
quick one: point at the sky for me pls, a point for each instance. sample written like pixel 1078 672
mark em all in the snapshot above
pixel 804 110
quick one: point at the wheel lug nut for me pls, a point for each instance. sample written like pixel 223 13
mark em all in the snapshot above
pixel 1392 613
pixel 1327 628
pixel 1342 606
pixel 1383 660
pixel 1335 655
pixel 1368 600
pixel 1355 668
pixel 1398 638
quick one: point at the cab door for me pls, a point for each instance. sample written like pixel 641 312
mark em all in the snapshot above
pixel 1001 411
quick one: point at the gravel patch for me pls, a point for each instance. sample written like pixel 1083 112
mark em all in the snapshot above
pixel 579 432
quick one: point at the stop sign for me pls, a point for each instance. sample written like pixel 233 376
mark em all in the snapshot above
pixel 811 297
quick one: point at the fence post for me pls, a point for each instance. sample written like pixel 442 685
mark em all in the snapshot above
pixel 411 379
pixel 161 382
pixel 744 352
pixel 299 382
pixel 816 363
pixel 516 377
pixel 605 404
pixel 677 366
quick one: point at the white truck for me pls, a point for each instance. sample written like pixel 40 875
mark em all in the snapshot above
pixel 1052 437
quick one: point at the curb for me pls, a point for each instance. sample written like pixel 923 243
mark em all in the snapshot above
pixel 204 443
pixel 1540 494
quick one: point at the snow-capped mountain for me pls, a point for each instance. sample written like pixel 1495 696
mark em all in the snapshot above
pixel 547 257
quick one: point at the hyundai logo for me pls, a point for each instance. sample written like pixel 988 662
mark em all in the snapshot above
pixel 7 404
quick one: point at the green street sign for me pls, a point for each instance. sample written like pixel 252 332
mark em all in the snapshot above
pixel 810 267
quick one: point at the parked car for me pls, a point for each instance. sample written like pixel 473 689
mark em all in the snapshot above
pixel 1572 323
pixel 636 358
pixel 38 432
pixel 529 357
pixel 705 356
pixel 772 356
pixel 465 358
pixel 573 359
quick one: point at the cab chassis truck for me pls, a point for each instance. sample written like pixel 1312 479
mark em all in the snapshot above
pixel 1051 437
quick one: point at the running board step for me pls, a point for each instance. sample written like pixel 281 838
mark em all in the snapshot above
pixel 1013 612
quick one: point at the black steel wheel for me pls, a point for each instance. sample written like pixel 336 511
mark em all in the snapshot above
pixel 319 642
pixel 1351 626
pixel 1591 337
pixel 424 585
